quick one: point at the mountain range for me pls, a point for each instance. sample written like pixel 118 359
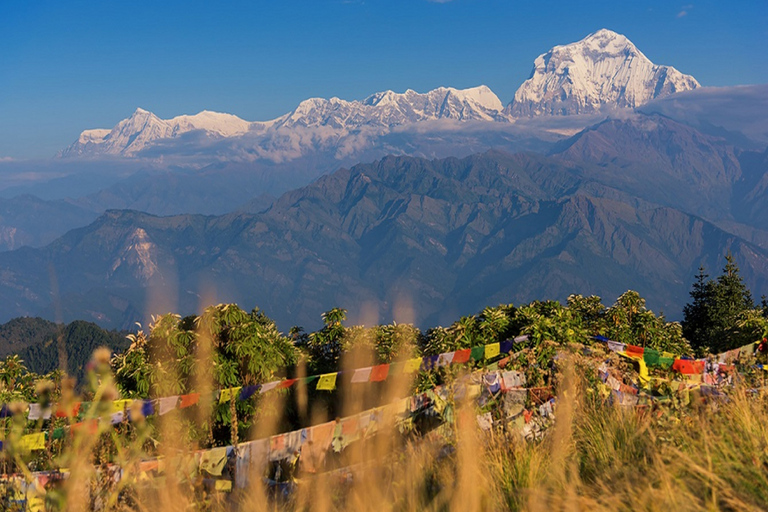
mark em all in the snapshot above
pixel 423 240
pixel 604 172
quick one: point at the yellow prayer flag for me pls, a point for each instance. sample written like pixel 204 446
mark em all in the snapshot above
pixel 33 442
pixel 492 350
pixel 223 485
pixel 120 405
pixel 213 461
pixel 327 382
pixel 412 365
pixel 227 394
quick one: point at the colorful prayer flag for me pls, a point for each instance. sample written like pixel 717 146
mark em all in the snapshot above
pixel 228 394
pixel 445 359
pixel 361 375
pixel 166 404
pixel 33 442
pixel 461 356
pixel 477 353
pixel 269 386
pixel 189 400
pixel 492 350
pixel 379 373
pixel 327 382
pixel 412 365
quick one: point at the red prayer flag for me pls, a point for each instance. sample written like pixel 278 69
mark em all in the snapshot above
pixel 379 373
pixel 688 367
pixel 286 383
pixel 188 400
pixel 462 356
pixel 61 413
pixel 89 427
pixel 634 350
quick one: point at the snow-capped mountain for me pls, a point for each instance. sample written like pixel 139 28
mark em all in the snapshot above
pixel 135 133
pixel 338 118
pixel 602 70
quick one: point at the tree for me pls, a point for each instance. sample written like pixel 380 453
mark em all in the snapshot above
pixel 712 320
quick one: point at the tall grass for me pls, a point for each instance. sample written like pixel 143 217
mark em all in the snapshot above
pixel 708 455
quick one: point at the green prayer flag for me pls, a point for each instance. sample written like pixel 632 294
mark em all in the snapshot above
pixel 477 353
pixel 666 362
pixel 651 357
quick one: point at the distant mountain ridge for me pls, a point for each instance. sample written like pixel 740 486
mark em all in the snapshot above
pixel 603 71
pixel 426 238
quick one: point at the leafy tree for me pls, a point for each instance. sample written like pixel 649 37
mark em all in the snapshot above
pixel 326 346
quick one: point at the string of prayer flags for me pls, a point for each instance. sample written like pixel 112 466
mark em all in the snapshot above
pixel 688 367
pixel 327 382
pixel 492 350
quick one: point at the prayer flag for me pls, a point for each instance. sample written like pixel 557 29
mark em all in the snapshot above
pixel 286 383
pixel 167 404
pixel 269 386
pixel 412 365
pixel 615 346
pixel 362 375
pixel 651 357
pixel 223 485
pixel 73 410
pixel 461 356
pixel 248 391
pixel 634 350
pixel 228 394
pixel 327 382
pixel 36 412
pixel 33 442
pixel 445 359
pixel 213 461
pixel 477 353
pixel 189 400
pixel 505 346
pixel 492 350
pixel 379 373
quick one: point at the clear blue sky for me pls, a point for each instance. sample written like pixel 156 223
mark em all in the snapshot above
pixel 70 65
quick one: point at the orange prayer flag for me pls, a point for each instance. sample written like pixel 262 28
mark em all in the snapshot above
pixel 379 373
pixel 462 356
pixel 189 400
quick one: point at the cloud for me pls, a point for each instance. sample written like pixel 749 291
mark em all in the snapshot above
pixel 439 1
pixel 684 10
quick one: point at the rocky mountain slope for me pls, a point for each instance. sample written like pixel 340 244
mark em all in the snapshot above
pixel 422 240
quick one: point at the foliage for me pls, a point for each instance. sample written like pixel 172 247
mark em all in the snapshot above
pixel 712 318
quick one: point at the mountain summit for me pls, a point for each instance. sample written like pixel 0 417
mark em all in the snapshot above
pixel 602 70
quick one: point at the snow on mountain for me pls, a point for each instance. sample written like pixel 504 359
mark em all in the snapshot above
pixel 602 70
pixel 334 118
pixel 135 133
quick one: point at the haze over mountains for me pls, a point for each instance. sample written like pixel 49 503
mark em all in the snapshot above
pixel 605 172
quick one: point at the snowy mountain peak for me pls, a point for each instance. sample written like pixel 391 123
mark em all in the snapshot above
pixel 142 128
pixel 603 70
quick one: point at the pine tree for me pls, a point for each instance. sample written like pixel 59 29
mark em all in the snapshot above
pixel 711 320
pixel 697 322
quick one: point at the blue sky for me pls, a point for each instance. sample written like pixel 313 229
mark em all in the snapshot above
pixel 70 65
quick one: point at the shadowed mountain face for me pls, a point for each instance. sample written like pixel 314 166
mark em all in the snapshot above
pixel 426 240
